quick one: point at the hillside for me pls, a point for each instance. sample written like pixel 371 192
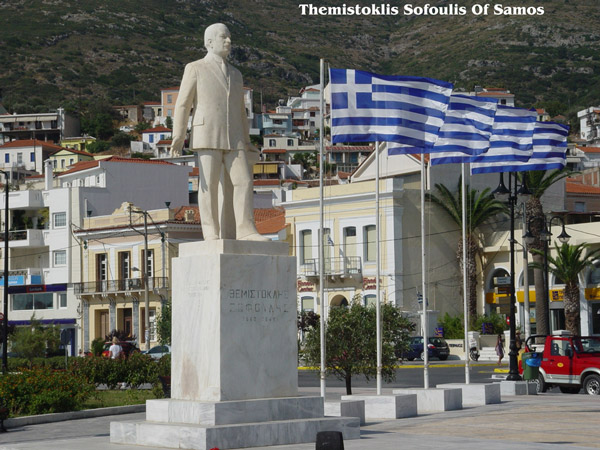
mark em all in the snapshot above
pixel 67 52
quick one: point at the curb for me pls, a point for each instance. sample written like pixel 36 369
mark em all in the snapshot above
pixel 420 366
pixel 72 415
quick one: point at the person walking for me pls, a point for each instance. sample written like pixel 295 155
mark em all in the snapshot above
pixel 500 349
pixel 115 349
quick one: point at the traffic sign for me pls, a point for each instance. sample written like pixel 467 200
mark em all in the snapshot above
pixel 503 290
pixel 502 281
pixel 1 316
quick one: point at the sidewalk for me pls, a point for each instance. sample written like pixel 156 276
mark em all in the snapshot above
pixel 529 422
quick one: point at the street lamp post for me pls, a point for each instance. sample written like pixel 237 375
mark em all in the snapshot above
pixel 145 279
pixel 512 192
pixel 5 291
pixel 545 236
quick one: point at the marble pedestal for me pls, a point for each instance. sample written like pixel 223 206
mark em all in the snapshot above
pixel 476 394
pixel 387 406
pixel 234 379
pixel 434 400
pixel 347 408
pixel 517 388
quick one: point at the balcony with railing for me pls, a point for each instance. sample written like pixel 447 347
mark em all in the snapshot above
pixel 342 267
pixel 25 238
pixel 23 277
pixel 30 199
pixel 127 285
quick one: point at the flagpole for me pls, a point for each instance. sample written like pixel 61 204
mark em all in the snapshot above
pixel 378 270
pixel 465 284
pixel 423 284
pixel 321 228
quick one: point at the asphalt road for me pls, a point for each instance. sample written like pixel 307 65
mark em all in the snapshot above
pixel 412 375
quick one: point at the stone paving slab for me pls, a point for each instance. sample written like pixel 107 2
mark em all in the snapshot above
pixel 546 421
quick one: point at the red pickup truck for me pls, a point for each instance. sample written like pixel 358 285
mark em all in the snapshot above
pixel 569 362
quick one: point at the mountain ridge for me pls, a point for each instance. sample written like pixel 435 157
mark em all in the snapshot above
pixel 69 53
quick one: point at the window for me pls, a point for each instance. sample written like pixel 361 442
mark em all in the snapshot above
pixel 272 143
pixel 60 219
pixel 60 257
pixel 151 138
pixel 350 241
pixel 101 267
pixel 149 262
pixel 19 158
pixel 594 274
pixel 6 157
pixel 62 300
pixel 530 279
pixel 169 98
pixel 290 142
pixel 54 164
pixel 32 157
pixel 169 113
pixel 307 303
pixel 305 246
pixel 579 206
pixel 124 266
pixel 62 163
pixel 71 161
pixel 312 114
pixel 370 243
pixel 33 302
pixel 370 300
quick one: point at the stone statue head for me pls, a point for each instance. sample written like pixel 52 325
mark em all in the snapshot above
pixel 217 39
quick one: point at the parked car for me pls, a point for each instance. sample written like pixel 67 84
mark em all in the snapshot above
pixel 567 361
pixel 158 351
pixel 437 348
pixel 128 347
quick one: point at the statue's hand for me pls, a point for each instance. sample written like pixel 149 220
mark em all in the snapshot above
pixel 175 152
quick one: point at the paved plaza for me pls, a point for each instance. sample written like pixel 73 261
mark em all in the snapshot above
pixel 526 422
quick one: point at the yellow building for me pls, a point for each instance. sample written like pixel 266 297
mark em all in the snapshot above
pixel 497 258
pixel 77 143
pixel 117 274
pixel 350 243
pixel 63 159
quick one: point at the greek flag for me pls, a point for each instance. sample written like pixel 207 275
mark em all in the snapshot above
pixel 466 131
pixel 366 107
pixel 511 140
pixel 549 151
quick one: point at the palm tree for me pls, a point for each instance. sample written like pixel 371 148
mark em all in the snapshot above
pixel 538 182
pixel 567 265
pixel 481 206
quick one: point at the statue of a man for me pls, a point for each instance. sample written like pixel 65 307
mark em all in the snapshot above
pixel 220 137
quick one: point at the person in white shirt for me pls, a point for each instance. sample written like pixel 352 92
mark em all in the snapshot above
pixel 115 349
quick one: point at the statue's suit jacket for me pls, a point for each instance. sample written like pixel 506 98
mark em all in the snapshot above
pixel 219 121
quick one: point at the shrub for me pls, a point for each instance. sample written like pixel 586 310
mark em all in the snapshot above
pixel 42 391
pixel 97 346
pixel 135 370
pixel 140 369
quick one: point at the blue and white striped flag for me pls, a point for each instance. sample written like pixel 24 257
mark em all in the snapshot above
pixel 511 140
pixel 549 151
pixel 466 131
pixel 366 107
